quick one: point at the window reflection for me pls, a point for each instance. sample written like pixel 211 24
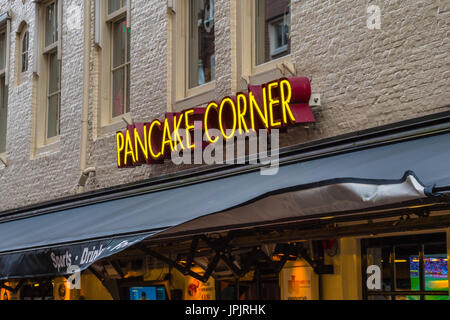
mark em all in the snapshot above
pixel 411 267
pixel 272 29
pixel 201 42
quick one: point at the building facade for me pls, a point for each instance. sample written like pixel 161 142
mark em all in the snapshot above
pixel 75 72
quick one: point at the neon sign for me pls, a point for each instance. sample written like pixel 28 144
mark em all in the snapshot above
pixel 274 105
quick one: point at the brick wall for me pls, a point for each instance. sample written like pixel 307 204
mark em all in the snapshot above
pixel 367 78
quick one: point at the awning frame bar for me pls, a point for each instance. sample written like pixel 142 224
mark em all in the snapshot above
pixel 13 290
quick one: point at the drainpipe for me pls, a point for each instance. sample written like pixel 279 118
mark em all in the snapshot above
pixel 85 108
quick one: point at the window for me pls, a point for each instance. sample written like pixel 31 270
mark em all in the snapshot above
pixel 192 58
pixel 24 51
pixel 411 268
pixel 120 58
pixel 120 68
pixel 53 71
pixel 115 5
pixel 51 25
pixel 262 41
pixel 3 92
pixel 272 27
pixel 201 42
pixel 47 69
pixel 53 95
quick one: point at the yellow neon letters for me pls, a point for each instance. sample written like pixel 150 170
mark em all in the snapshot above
pixel 254 105
pixel 241 101
pixel 120 146
pixel 150 144
pixel 189 128
pixel 286 94
pixel 128 148
pixel 272 103
pixel 144 142
pixel 233 108
pixel 138 143
pixel 208 108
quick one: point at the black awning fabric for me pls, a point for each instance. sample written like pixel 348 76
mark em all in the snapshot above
pixel 355 180
pixel 62 259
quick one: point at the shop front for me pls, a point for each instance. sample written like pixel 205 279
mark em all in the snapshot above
pixel 360 216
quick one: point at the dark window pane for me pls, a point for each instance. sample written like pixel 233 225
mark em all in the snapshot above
pixel 127 106
pixel 24 62
pixel 127 34
pixel 2 50
pixel 407 267
pixel 25 45
pixel 119 43
pixel 54 74
pixel 118 92
pixel 53 116
pixel 272 28
pixel 113 5
pixel 51 32
pixel 201 42
pixel 3 114
pixel 25 42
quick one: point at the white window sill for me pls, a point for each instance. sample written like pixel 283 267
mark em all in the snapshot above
pixel 197 96
pixel 117 124
pixel 267 72
pixel 3 161
pixel 48 149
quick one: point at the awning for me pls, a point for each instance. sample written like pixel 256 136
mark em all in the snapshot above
pixel 377 176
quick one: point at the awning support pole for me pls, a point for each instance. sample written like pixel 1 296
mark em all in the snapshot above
pixel 318 265
pixel 110 286
pixel 13 290
pixel 183 270
pixel 96 274
pixel 117 268
pixel 219 246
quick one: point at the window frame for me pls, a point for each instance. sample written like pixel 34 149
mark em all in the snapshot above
pixel 24 32
pixel 274 51
pixel 259 68
pixel 392 243
pixel 54 44
pixel 180 94
pixel 47 52
pixel 106 123
pixel 248 69
pixel 47 139
pixel 202 87
pixel 125 66
pixel 114 14
pixel 3 75
pixel 4 32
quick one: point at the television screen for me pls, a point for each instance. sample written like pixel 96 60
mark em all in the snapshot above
pixel 148 293
pixel 436 274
